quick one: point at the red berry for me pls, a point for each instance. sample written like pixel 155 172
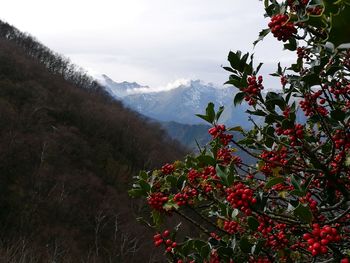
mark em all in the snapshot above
pixel 166 233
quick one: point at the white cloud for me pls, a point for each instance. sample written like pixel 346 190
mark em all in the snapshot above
pixel 147 41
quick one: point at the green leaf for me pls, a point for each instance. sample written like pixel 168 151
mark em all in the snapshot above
pixel 229 69
pixel 257 112
pixel 274 181
pixel 145 186
pixel 206 160
pixel 230 178
pixel 157 218
pixel 292 45
pixel 210 112
pixel 312 79
pixel 253 223
pixel 338 115
pixel 245 245
pixel 271 118
pixel 172 180
pixel 234 59
pixel 170 205
pixel 258 68
pixel 136 193
pixel 222 174
pixel 303 213
pixel 204 117
pixel 205 250
pixel 258 246
pixel 219 112
pixel 270 10
pixel 198 244
pixel 238 83
pixel 262 34
pixel 236 128
pixel 287 124
pixel 308 181
pixel 295 183
pixel 273 99
pixel 340 30
pixel 180 181
pixel 143 175
pixel 238 98
pixel 297 193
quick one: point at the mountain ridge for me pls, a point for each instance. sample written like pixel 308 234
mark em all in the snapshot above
pixel 182 103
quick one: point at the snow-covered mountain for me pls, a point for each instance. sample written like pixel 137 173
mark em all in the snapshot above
pixel 120 89
pixel 179 104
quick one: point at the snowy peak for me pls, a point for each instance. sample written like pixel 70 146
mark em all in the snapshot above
pixel 179 101
pixel 120 89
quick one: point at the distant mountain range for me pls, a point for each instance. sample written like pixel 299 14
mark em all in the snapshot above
pixel 119 90
pixel 179 104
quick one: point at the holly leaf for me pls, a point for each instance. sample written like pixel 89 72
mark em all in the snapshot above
pixel 303 213
pixel 262 34
pixel 238 98
pixel 253 223
pixel 340 30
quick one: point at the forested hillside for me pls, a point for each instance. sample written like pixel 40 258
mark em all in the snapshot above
pixel 67 154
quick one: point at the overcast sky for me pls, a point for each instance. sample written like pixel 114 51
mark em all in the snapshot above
pixel 152 42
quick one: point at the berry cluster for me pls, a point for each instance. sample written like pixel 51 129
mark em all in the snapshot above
pixel 159 239
pixel 297 4
pixel 319 238
pixel 315 10
pixel 281 28
pixel 157 200
pixel 286 112
pixel 308 199
pixel 275 234
pixel 209 172
pixel 231 227
pixel 226 157
pixel 341 139
pixel 294 134
pixel 241 197
pixel 302 52
pixel 214 257
pixel 337 161
pixel 193 175
pixel 339 89
pixel 309 104
pixel 186 196
pixel 282 187
pixel 273 159
pixel 284 80
pixel 215 236
pixel 168 168
pixel 218 131
pixel 253 90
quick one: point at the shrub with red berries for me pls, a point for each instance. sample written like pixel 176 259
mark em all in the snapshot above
pixel 290 201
